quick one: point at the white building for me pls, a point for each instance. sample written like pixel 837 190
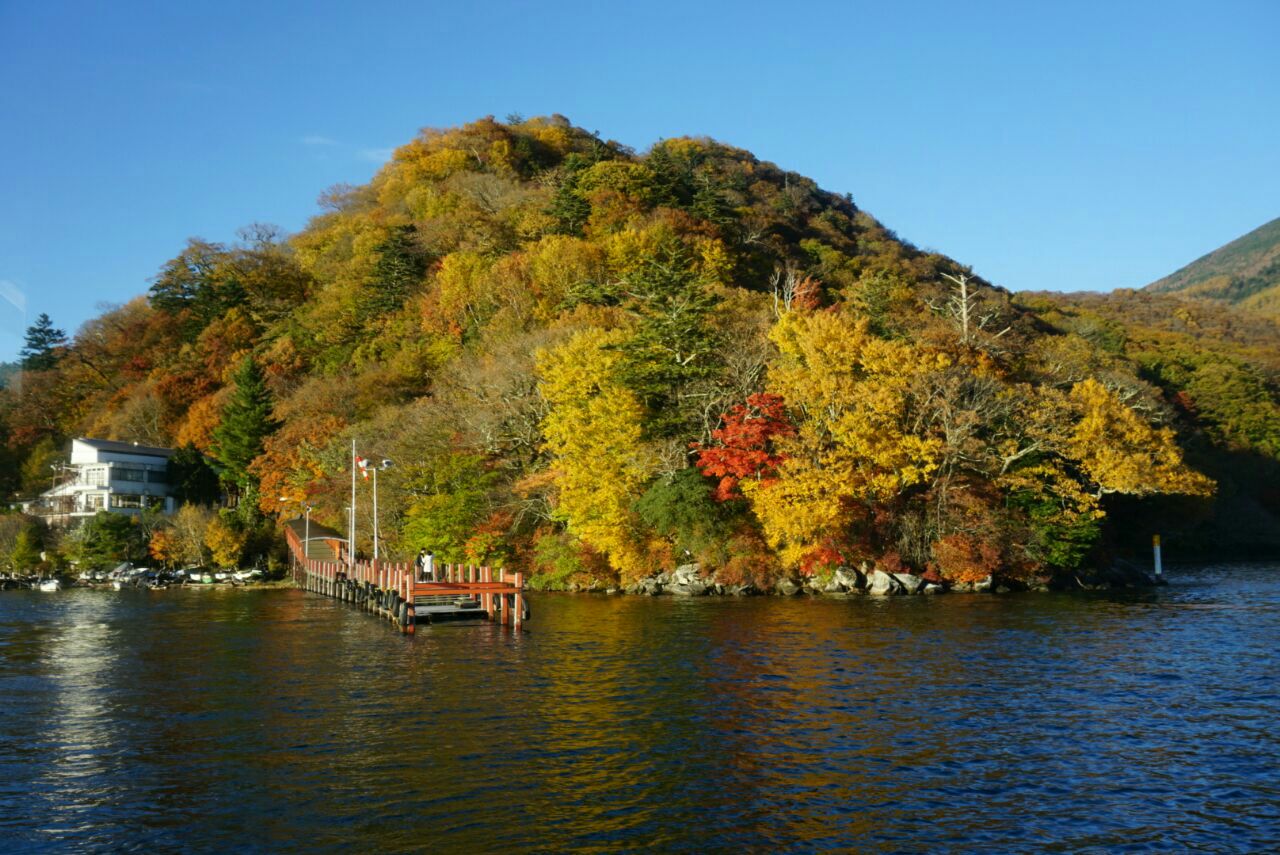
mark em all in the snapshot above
pixel 103 474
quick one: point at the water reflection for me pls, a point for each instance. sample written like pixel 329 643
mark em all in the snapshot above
pixel 261 720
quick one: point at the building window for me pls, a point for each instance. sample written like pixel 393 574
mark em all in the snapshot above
pixel 126 500
pixel 157 476
pixel 93 501
pixel 120 473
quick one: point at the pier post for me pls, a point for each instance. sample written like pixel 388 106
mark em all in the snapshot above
pixel 517 610
pixel 1155 548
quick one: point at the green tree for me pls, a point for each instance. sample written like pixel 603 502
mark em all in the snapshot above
pixel 246 421
pixel 43 342
pixel 42 466
pixel 191 478
pixel 452 496
pixel 106 539
pixel 195 286
pixel 26 552
pixel 399 267
pixel 681 507
pixel 675 345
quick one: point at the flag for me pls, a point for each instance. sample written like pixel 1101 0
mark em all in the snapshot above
pixel 364 467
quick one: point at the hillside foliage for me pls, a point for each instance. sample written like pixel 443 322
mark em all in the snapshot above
pixel 597 364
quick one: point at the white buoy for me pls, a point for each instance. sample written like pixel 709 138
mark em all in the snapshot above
pixel 1155 548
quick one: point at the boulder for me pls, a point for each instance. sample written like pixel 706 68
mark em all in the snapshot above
pixel 787 587
pixel 650 586
pixel 684 574
pixel 981 586
pixel 830 586
pixel 744 590
pixel 882 584
pixel 910 583
pixel 932 588
pixel 692 588
pixel 1126 574
pixel 849 579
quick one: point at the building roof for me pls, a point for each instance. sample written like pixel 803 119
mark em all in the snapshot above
pixel 126 447
pixel 299 526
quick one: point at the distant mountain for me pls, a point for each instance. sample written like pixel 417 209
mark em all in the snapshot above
pixel 1245 272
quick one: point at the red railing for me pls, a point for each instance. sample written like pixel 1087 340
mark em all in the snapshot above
pixel 392 588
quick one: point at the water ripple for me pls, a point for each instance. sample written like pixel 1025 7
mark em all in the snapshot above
pixel 210 720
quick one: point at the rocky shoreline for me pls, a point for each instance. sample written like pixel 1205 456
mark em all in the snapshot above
pixel 867 580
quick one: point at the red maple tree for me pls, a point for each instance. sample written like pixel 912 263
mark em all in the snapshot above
pixel 744 444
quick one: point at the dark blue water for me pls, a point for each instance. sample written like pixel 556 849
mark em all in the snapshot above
pixel 267 720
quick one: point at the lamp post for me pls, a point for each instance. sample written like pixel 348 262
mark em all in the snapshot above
pixel 385 464
pixel 351 547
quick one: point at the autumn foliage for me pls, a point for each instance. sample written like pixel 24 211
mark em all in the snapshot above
pixel 598 364
pixel 742 447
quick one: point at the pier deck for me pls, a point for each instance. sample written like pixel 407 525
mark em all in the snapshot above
pixel 392 591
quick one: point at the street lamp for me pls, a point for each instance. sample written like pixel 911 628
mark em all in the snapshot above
pixel 385 464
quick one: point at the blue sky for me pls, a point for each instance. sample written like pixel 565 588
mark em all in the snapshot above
pixel 1061 146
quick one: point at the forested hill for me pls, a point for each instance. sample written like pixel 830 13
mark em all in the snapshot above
pixel 1245 271
pixel 599 364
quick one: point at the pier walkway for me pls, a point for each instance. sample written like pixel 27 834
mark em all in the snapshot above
pixel 390 589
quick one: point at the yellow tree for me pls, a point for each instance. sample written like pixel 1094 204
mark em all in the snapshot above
pixel 1119 452
pixel 856 441
pixel 593 428
pixel 226 542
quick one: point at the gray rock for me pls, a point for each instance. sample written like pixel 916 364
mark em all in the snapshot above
pixel 685 573
pixel 910 583
pixel 744 590
pixel 933 588
pixel 787 588
pixel 831 586
pixel 651 586
pixel 882 584
pixel 981 586
pixel 692 588
pixel 849 579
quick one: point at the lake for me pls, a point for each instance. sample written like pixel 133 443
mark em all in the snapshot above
pixel 212 719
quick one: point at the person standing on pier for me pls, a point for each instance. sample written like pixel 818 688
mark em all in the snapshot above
pixel 426 564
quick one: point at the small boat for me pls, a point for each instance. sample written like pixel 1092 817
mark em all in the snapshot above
pixel 48 585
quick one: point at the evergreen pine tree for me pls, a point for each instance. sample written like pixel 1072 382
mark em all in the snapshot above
pixel 40 351
pixel 191 477
pixel 674 347
pixel 246 421
pixel 400 266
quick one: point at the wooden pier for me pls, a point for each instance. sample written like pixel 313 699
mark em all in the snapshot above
pixel 391 590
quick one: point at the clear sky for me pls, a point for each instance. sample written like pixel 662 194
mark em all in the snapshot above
pixel 1063 146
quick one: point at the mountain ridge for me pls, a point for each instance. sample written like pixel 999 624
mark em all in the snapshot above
pixel 1244 271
